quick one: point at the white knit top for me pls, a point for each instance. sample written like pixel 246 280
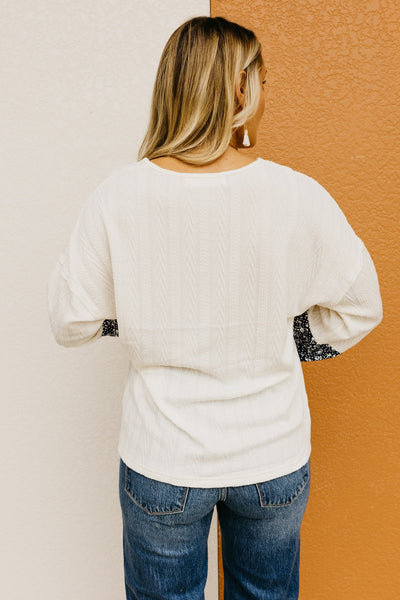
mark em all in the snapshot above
pixel 205 276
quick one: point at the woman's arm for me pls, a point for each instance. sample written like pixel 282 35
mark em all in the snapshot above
pixel 80 286
pixel 324 331
pixel 345 323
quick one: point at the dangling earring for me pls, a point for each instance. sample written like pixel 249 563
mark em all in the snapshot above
pixel 246 141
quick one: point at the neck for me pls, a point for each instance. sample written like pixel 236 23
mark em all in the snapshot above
pixel 233 146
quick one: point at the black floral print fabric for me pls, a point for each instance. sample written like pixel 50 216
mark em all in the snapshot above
pixel 307 348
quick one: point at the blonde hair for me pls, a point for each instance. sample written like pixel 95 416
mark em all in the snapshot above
pixel 194 109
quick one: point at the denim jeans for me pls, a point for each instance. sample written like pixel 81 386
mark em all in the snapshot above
pixel 166 528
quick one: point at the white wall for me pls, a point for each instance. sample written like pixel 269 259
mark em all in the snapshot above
pixel 76 84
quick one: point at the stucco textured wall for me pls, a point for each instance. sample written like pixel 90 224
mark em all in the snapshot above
pixel 332 111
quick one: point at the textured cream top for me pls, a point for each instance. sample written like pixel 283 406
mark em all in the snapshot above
pixel 218 285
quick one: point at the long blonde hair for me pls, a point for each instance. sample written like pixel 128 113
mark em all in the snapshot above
pixel 194 109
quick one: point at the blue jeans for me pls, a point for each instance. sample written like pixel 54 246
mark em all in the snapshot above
pixel 166 528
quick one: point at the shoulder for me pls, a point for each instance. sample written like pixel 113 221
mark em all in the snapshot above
pixel 116 175
pixel 300 187
pixel 280 172
pixel 311 195
pixel 119 180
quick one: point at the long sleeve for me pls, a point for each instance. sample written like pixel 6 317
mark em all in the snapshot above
pixel 80 286
pixel 334 285
pixel 325 332
pixel 345 323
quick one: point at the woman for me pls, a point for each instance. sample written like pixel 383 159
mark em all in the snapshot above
pixel 220 274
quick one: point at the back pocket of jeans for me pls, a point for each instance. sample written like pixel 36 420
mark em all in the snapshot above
pixel 155 497
pixel 284 490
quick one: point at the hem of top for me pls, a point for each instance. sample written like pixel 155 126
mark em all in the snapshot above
pixel 212 174
pixel 252 477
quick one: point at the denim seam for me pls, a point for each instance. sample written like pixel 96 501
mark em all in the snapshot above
pixel 286 503
pixel 293 566
pixel 168 512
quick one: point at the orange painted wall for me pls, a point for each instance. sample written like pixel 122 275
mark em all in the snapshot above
pixel 332 111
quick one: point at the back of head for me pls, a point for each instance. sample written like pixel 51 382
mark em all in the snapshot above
pixel 194 109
